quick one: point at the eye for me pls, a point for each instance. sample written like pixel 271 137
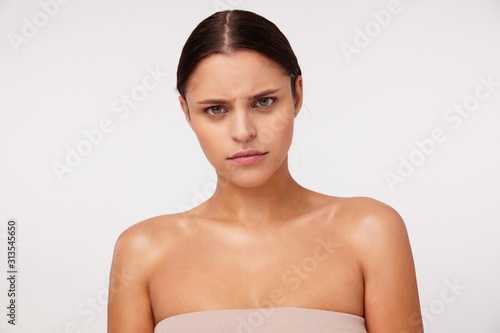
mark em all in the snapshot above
pixel 265 101
pixel 215 110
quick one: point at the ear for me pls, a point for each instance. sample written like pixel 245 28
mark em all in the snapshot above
pixel 299 95
pixel 185 108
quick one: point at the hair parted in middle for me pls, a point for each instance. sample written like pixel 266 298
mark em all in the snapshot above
pixel 228 31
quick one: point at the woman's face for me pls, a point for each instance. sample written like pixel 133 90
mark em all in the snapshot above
pixel 239 102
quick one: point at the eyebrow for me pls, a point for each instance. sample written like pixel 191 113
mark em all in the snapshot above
pixel 223 101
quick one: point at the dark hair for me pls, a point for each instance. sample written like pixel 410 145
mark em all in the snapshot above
pixel 230 30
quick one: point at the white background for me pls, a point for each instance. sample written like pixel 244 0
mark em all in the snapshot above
pixel 359 118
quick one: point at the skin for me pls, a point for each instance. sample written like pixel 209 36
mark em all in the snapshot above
pixel 262 240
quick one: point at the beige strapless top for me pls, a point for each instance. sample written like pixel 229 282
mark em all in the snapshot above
pixel 263 320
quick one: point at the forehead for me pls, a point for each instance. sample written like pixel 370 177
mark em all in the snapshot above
pixel 239 73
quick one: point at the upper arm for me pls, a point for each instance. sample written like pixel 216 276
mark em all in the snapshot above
pixel 129 309
pixel 391 295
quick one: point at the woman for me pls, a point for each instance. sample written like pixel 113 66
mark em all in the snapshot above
pixel 263 254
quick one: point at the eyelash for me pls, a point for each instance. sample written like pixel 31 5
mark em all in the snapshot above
pixel 272 99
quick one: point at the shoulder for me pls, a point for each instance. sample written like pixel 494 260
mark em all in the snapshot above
pixel 375 228
pixel 137 252
pixel 377 222
pixel 140 246
pixel 381 245
pixel 145 236
pixel 364 207
pixel 367 215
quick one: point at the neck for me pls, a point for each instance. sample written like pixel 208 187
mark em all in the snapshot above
pixel 276 199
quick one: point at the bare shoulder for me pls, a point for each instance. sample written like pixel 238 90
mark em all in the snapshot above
pixel 137 251
pixel 381 244
pixel 378 224
pixel 364 206
pixel 369 217
pixel 375 229
pixel 144 237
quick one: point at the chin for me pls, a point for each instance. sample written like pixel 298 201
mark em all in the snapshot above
pixel 245 177
pixel 248 183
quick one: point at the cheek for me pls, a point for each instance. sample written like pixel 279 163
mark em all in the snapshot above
pixel 209 142
pixel 278 127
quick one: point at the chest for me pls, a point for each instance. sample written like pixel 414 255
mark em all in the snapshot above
pixel 312 269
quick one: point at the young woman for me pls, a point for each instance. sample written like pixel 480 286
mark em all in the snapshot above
pixel 263 254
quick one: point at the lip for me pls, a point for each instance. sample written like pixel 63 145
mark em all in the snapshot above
pixel 248 152
pixel 247 157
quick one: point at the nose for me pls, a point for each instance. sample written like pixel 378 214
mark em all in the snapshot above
pixel 242 129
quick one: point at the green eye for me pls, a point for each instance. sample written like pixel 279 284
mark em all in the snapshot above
pixel 265 101
pixel 215 110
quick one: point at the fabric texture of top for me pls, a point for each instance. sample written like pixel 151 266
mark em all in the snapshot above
pixel 263 320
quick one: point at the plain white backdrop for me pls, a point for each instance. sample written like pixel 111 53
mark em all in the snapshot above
pixel 93 140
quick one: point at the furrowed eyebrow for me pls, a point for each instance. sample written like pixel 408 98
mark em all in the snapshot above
pixel 222 101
